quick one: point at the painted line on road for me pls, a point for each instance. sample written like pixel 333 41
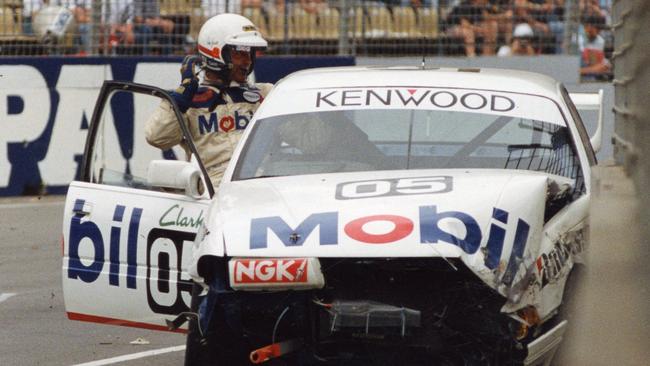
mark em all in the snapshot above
pixel 132 356
pixel 5 296
pixel 30 204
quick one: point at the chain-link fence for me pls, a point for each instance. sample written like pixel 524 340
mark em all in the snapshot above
pixel 313 27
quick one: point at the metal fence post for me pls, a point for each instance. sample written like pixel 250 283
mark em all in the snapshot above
pixel 344 41
pixel 571 26
pixel 285 30
pixel 95 29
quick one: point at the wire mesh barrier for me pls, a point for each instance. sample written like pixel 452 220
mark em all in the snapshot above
pixel 319 27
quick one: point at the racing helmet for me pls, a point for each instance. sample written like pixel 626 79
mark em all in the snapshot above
pixel 223 33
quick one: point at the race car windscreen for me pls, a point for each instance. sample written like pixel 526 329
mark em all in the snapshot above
pixel 402 139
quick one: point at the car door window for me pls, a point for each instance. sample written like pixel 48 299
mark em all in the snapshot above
pixel 121 154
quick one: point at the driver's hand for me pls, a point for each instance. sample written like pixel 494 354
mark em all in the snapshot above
pixel 189 82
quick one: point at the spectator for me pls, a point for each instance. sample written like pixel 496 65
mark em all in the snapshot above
pixel 313 6
pixel 592 8
pixel 550 13
pixel 120 20
pixel 556 24
pixel 151 27
pixel 433 4
pixel 500 11
pixel 214 7
pixel 30 7
pixel 135 24
pixel 274 7
pixel 469 20
pixel 606 8
pixel 521 44
pixel 524 13
pixel 80 10
pixel 258 4
pixel 594 65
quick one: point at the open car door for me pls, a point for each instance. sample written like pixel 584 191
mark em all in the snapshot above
pixel 130 221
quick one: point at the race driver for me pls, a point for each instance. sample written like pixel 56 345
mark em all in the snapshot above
pixel 218 109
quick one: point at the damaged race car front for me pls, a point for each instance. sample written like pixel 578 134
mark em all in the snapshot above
pixel 395 225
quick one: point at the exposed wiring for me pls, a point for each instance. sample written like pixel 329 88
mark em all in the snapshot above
pixel 198 325
pixel 277 322
pixel 320 303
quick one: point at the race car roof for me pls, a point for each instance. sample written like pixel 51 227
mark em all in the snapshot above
pixel 471 78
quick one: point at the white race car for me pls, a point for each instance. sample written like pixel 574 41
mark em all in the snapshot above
pixel 369 216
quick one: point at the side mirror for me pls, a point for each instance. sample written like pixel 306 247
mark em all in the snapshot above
pixel 176 175
pixel 591 102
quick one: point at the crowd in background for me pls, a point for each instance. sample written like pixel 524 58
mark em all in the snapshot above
pixel 480 27
pixel 122 22
pixel 514 27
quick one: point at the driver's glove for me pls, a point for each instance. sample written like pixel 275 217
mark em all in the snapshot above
pixel 189 83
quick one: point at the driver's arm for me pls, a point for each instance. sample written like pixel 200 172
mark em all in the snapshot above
pixel 162 129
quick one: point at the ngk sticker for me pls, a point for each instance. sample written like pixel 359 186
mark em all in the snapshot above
pixel 275 274
pixel 270 270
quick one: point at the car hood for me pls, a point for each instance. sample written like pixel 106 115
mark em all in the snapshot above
pixel 489 219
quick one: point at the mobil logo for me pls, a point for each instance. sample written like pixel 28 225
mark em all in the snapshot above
pixel 90 267
pixel 430 226
pixel 272 270
pixel 212 123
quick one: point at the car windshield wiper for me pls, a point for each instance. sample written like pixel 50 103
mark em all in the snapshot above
pixel 262 176
pixel 514 147
pixel 534 127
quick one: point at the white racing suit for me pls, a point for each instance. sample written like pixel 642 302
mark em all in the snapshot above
pixel 216 120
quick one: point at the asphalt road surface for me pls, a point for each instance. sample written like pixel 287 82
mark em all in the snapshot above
pixel 34 329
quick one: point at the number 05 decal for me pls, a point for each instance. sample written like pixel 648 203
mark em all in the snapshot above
pixel 393 187
pixel 166 285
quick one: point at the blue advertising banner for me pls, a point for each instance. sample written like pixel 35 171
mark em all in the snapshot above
pixel 46 104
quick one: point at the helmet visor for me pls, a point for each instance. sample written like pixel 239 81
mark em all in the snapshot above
pixel 247 39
